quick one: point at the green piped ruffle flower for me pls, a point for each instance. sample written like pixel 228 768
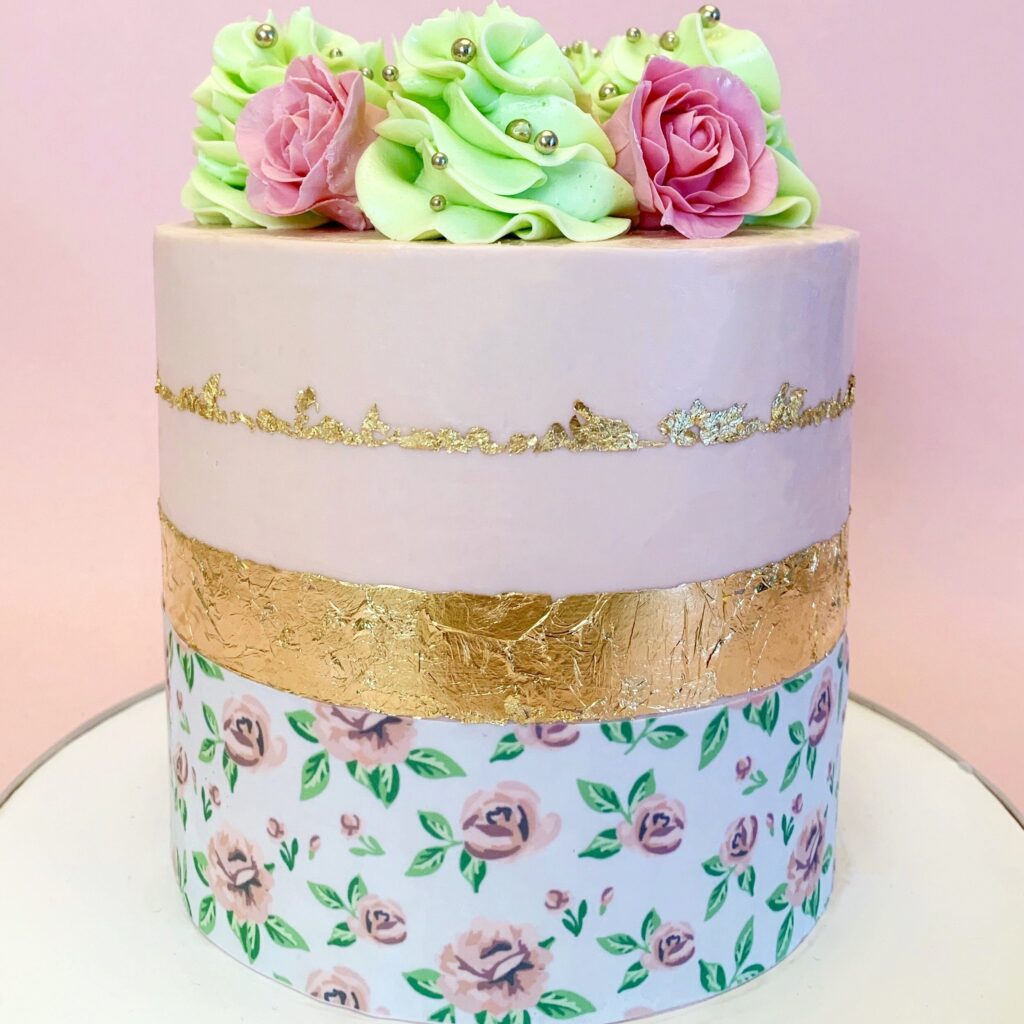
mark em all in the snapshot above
pixel 215 191
pixel 446 166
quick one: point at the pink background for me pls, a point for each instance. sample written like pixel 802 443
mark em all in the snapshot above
pixel 905 116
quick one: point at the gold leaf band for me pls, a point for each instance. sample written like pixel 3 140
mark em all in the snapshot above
pixel 588 431
pixel 523 658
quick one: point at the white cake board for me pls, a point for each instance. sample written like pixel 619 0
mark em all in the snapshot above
pixel 927 922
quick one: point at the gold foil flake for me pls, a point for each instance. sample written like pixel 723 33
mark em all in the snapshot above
pixel 588 431
pixel 509 657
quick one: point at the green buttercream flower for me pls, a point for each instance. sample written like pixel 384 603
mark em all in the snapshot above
pixel 611 77
pixel 215 191
pixel 449 163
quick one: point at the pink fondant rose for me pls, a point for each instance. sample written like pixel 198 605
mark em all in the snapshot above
pixel 821 710
pixel 657 826
pixel 302 140
pixel 691 141
pixel 494 968
pixel 805 862
pixel 340 987
pixel 506 823
pixel 245 724
pixel 237 877
pixel 740 838
pixel 672 945
pixel 351 734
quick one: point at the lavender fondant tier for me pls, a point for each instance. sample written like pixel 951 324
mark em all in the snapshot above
pixel 436 871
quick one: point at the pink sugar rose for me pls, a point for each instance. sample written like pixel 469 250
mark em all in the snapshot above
pixel 302 140
pixel 691 141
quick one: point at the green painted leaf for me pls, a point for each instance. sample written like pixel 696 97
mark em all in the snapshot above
pixel 749 973
pixel 636 974
pixel 436 825
pixel 810 905
pixel 424 982
pixel 207 804
pixel 712 977
pixel 208 668
pixel 473 870
pixel 369 847
pixel 770 713
pixel 326 896
pixel 184 726
pixel 547 943
pixel 777 901
pixel 249 936
pixel 713 866
pixel 508 748
pixel 384 782
pixel 797 733
pixel 812 759
pixel 788 824
pixel 641 790
pixel 427 861
pixel 618 732
pixel 619 944
pixel 208 750
pixel 605 844
pixel 665 737
pixel 561 1004
pixel 717 898
pixel 356 890
pixel 207 914
pixel 432 764
pixel 792 770
pixel 713 740
pixel 201 865
pixel 283 934
pixel 797 684
pixel 446 1015
pixel 744 943
pixel 341 935
pixel 316 773
pixel 826 861
pixel 785 936
pixel 210 717
pixel 599 796
pixel 757 780
pixel 302 724
pixel 189 668
pixel 651 922
pixel 746 880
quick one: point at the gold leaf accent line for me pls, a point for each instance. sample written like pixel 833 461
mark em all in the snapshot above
pixel 588 431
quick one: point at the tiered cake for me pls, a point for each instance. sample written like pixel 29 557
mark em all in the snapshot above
pixel 506 585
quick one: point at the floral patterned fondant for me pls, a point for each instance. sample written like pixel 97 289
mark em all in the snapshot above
pixel 434 871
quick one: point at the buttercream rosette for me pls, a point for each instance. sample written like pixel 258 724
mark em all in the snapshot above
pixel 492 185
pixel 215 190
pixel 739 51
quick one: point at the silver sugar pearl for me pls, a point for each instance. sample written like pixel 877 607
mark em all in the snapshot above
pixel 577 47
pixel 265 35
pixel 463 50
pixel 608 91
pixel 567 50
pixel 439 161
pixel 335 53
pixel 547 142
pixel 438 203
pixel 669 41
pixel 520 129
pixel 367 73
pixel 710 15
pixel 389 73
pixel 634 35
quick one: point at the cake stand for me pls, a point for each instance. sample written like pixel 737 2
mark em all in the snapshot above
pixel 926 924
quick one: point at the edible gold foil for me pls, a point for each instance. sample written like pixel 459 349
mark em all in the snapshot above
pixel 510 657
pixel 588 431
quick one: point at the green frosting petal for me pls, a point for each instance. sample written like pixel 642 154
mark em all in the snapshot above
pixel 240 70
pixel 797 202
pixel 493 185
pixel 621 64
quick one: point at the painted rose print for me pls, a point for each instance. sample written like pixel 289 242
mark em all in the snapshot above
pixel 734 860
pixel 805 864
pixel 362 736
pixel 371 917
pixel 821 710
pixel 340 987
pixel 237 877
pixel 245 726
pixel 661 946
pixel 740 839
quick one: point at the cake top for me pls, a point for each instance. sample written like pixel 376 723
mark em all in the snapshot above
pixel 484 128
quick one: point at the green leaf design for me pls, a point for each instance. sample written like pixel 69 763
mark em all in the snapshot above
pixel 473 870
pixel 746 880
pixel 599 796
pixel 341 935
pixel 302 724
pixel 283 934
pixel 797 733
pixel 766 715
pixel 785 936
pixel 573 922
pixel 432 764
pixel 208 668
pixel 369 847
pixel 665 737
pixel 249 936
pixel 757 780
pixel 744 943
pixel 561 1004
pixel 316 773
pixel 446 1015
pixel 792 770
pixel 796 684
pixel 508 748
pixel 207 804
pixel 717 898
pixel 201 865
pixel 788 824
pixel 712 977
pixel 812 759
pixel 230 770
pixel 713 740
pixel 356 890
pixel 518 1017
pixel 713 866
pixel 427 861
pixel 641 790
pixel 207 914
pixel 777 901
pixel 618 732
pixel 210 717
pixel 810 905
pixel 651 922
pixel 826 861
pixel 189 668
pixel 207 750
pixel 605 844
pixel 436 825
pixel 385 783
pixel 749 973
pixel 424 982
pixel 619 944
pixel 183 724
pixel 636 974
pixel 326 896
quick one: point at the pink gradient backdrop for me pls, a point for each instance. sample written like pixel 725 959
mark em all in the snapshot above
pixel 902 113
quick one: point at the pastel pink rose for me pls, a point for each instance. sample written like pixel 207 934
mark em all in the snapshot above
pixel 821 710
pixel 494 968
pixel 302 140
pixel 672 945
pixel 380 920
pixel 245 725
pixel 506 823
pixel 691 141
pixel 351 734
pixel 237 877
pixel 804 868
pixel 340 987
pixel 740 839
pixel 657 827
pixel 550 734
pixel 182 771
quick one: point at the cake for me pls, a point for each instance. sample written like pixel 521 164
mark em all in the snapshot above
pixel 505 583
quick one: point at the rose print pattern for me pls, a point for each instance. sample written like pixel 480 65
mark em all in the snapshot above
pixel 378 861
